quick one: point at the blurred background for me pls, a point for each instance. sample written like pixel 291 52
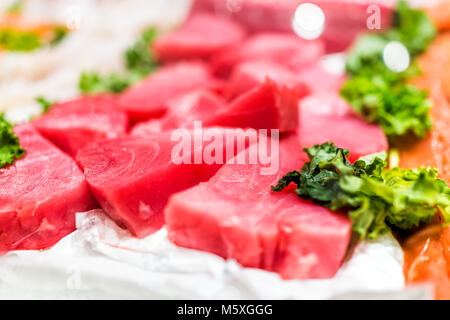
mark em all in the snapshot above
pixel 97 32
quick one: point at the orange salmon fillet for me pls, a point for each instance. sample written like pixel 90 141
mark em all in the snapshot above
pixel 427 253
pixel 440 14
pixel 434 149
pixel 427 259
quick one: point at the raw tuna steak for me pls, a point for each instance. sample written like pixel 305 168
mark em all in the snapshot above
pixel 319 80
pixel 148 99
pixel 269 106
pixel 282 48
pixel 200 105
pixel 145 128
pixel 133 177
pixel 202 36
pixel 344 19
pixel 39 195
pixel 71 125
pixel 236 216
pixel 250 75
pixel 328 118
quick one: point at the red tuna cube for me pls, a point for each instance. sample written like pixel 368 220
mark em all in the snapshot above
pixel 269 106
pixel 236 216
pixel 73 124
pixel 201 36
pixel 200 105
pixel 251 74
pixel 148 99
pixel 319 80
pixel 133 177
pixel 39 195
pixel 282 48
pixel 344 19
pixel 145 128
pixel 328 118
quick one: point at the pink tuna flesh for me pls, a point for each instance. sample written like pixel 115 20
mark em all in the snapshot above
pixel 236 216
pixel 251 74
pixel 199 38
pixel 133 177
pixel 268 106
pixel 39 195
pixel 328 118
pixel 148 99
pixel 73 124
pixel 282 48
pixel 344 19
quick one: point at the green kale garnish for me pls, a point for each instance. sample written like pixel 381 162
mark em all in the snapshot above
pixel 375 197
pixel 381 95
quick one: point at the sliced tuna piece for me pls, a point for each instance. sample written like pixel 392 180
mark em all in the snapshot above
pixel 319 80
pixel 201 36
pixel 201 105
pixel 145 128
pixel 133 177
pixel 282 48
pixel 73 124
pixel 39 195
pixel 236 216
pixel 269 106
pixel 148 99
pixel 344 19
pixel 328 118
pixel 251 74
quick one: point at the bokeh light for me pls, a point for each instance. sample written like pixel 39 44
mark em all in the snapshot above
pixel 309 21
pixel 396 56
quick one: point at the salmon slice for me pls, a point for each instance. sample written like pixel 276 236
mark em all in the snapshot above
pixel 427 253
pixel 439 13
pixel 427 259
pixel 434 149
